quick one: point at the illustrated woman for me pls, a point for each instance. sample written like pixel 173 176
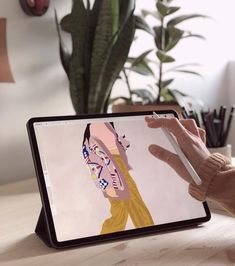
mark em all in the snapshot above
pixel 104 152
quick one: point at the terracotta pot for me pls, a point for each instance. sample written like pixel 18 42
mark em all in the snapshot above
pixel 126 108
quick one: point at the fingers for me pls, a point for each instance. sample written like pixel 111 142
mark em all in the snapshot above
pixel 172 160
pixel 202 134
pixel 191 126
pixel 172 124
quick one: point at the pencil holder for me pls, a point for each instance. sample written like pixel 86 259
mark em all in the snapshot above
pixel 225 150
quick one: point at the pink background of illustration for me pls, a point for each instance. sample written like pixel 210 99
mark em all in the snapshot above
pixel 80 208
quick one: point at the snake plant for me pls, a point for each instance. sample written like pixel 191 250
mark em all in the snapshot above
pixel 101 38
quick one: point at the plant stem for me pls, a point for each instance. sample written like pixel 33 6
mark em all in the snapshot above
pixel 127 83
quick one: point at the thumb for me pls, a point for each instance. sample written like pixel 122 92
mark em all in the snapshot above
pixel 172 160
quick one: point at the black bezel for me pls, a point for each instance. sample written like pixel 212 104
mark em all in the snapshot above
pixel 98 238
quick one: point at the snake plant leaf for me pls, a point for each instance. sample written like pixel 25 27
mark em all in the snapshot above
pixel 126 9
pixel 64 54
pixel 174 21
pixel 175 35
pixel 140 24
pixel 165 83
pixel 103 36
pixel 76 66
pixel 116 60
pixel 164 58
pixel 66 24
pixel 115 13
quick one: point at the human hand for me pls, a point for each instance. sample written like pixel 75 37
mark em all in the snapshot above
pixel 190 138
pixel 111 192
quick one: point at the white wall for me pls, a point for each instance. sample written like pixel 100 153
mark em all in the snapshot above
pixel 41 86
pixel 217 85
pixel 213 54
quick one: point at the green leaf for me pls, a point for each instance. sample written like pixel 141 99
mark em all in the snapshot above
pixel 154 14
pixel 172 10
pixel 191 72
pixel 165 83
pixel 126 8
pixel 141 57
pixel 144 94
pixel 102 40
pixel 166 10
pixel 191 35
pixel 140 24
pixel 115 61
pixel 167 95
pixel 173 22
pixel 175 35
pixel 76 66
pixel 164 58
pixel 66 24
pixel 142 69
pixel 181 66
pixel 162 9
pixel 158 37
pixel 64 54
pixel 115 13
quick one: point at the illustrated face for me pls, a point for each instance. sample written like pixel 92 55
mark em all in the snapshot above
pixel 102 132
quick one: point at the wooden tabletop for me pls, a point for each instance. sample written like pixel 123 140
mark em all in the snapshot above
pixel 210 244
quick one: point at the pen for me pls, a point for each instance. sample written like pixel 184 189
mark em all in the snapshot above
pixel 181 155
pixel 228 126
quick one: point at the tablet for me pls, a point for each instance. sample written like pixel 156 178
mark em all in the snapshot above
pixel 98 180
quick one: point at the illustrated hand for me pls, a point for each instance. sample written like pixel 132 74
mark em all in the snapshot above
pixel 190 138
pixel 111 192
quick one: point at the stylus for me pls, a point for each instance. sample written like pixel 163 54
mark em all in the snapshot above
pixel 181 155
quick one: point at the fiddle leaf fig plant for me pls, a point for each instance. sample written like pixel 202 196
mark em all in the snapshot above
pixel 101 38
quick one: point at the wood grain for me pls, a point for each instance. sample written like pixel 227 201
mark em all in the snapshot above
pixel 210 244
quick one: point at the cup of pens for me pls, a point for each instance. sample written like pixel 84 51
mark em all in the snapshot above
pixel 217 125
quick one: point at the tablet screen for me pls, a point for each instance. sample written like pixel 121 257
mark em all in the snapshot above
pixel 100 177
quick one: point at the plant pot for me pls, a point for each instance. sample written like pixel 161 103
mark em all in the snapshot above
pixel 126 108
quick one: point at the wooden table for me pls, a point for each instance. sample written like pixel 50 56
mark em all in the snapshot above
pixel 210 244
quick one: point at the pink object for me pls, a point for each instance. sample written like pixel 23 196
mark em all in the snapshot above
pixel 35 7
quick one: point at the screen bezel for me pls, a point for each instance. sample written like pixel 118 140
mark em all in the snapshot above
pixel 98 238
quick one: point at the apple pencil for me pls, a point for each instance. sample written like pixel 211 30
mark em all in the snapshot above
pixel 181 155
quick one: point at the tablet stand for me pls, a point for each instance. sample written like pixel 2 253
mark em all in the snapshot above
pixel 42 230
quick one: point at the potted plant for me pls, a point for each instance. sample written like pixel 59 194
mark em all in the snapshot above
pixel 101 38
pixel 167 35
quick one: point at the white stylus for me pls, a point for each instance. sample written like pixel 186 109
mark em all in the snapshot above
pixel 180 153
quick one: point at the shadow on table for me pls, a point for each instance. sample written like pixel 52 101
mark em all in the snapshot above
pixel 27 247
pixel 21 187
